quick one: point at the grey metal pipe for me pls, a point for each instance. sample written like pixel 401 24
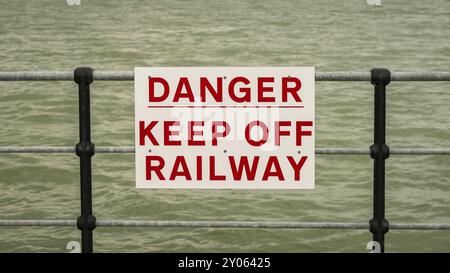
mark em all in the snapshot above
pixel 129 76
pixel 130 149
pixel 229 224
pixel 38 223
pixel 225 224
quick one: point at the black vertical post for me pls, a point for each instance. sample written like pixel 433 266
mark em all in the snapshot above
pixel 83 76
pixel 379 151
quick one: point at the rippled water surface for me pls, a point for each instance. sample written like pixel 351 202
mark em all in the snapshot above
pixel 119 35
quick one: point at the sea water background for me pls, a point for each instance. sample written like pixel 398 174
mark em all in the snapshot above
pixel 119 35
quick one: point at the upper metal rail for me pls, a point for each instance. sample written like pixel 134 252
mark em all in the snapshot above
pixel 129 76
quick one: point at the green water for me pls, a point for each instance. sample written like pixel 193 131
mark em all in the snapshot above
pixel 119 35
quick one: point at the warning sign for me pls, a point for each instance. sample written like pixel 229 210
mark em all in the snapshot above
pixel 224 127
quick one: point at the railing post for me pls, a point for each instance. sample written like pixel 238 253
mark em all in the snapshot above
pixel 379 151
pixel 83 76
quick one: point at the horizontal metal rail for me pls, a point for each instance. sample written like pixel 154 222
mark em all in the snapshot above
pixel 129 76
pixel 129 149
pixel 224 224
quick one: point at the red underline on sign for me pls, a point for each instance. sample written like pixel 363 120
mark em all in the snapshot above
pixel 225 106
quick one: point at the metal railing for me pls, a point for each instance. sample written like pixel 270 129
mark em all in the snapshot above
pixel 379 151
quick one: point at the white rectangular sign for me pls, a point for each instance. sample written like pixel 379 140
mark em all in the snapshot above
pixel 224 127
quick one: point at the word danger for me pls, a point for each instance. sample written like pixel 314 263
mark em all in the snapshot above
pixel 238 90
